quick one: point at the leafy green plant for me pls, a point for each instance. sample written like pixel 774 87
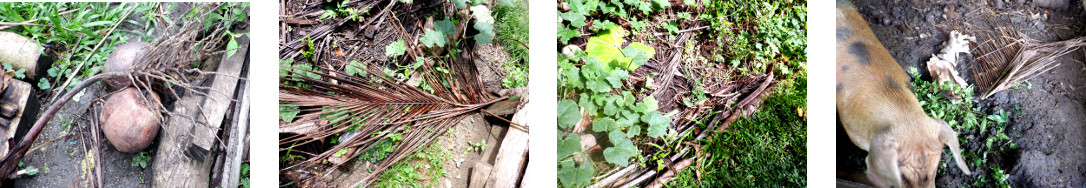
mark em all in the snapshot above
pixel 244 181
pixel 20 74
pixel 342 9
pixel 767 149
pixel 410 172
pixel 79 31
pixel 141 159
pixel 517 76
pixel 477 146
pixel 597 87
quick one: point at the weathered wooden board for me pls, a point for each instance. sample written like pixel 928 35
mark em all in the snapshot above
pixel 507 165
pixel 235 146
pixel 479 175
pixel 12 102
pixel 179 160
pixel 217 103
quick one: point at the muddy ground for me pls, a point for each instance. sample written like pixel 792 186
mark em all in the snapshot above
pixel 1050 125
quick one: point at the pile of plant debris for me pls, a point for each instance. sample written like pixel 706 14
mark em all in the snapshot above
pixel 690 69
pixel 366 86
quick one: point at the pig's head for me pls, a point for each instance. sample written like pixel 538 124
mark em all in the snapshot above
pixel 910 158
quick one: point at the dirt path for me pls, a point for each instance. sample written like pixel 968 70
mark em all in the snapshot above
pixel 1048 129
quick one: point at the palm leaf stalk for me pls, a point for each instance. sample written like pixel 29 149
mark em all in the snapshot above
pixel 378 106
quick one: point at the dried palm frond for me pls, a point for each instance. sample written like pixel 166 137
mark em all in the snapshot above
pixel 379 105
pixel 1009 57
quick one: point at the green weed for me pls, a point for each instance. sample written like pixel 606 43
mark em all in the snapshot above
pixel 767 149
pixel 512 22
pixel 420 170
pixel 141 159
pixel 751 34
pixel 969 121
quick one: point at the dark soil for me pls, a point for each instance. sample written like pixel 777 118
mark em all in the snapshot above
pixel 1048 129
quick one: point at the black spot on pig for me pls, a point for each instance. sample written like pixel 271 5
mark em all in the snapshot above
pixel 859 49
pixel 894 85
pixel 840 86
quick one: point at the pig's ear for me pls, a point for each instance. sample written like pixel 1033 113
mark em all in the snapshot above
pixel 950 138
pixel 882 162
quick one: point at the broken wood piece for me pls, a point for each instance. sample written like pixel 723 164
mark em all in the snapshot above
pixel 178 159
pixel 503 108
pixel 236 144
pixel 14 99
pixel 8 109
pixel 507 164
pixel 479 175
pixel 218 101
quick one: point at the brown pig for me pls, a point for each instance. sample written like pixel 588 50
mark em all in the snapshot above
pixel 880 112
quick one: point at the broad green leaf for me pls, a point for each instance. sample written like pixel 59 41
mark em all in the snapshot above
pixel 614 81
pixel 610 108
pixel 355 69
pixel 445 26
pixel 573 77
pixel 287 113
pixel 598 86
pixel 576 20
pixel 508 3
pixel 651 104
pixel 433 38
pixel 637 54
pixel 568 145
pixel 484 23
pixel 657 124
pixel 395 49
pixel 573 176
pixel 233 44
pixel 564 34
pixel 44 84
pixel 634 131
pixel 622 150
pixel 602 125
pixel 305 70
pixel 605 46
pixel 568 113
pixel 587 104
pixel 284 68
pixel 460 4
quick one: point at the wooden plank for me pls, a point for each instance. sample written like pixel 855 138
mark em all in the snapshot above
pixel 479 175
pixel 175 164
pixel 218 101
pixel 235 146
pixel 17 93
pixel 507 165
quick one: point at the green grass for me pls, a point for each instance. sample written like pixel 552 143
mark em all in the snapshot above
pixel 76 33
pixel 752 34
pixel 512 23
pixel 768 149
pixel 420 170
